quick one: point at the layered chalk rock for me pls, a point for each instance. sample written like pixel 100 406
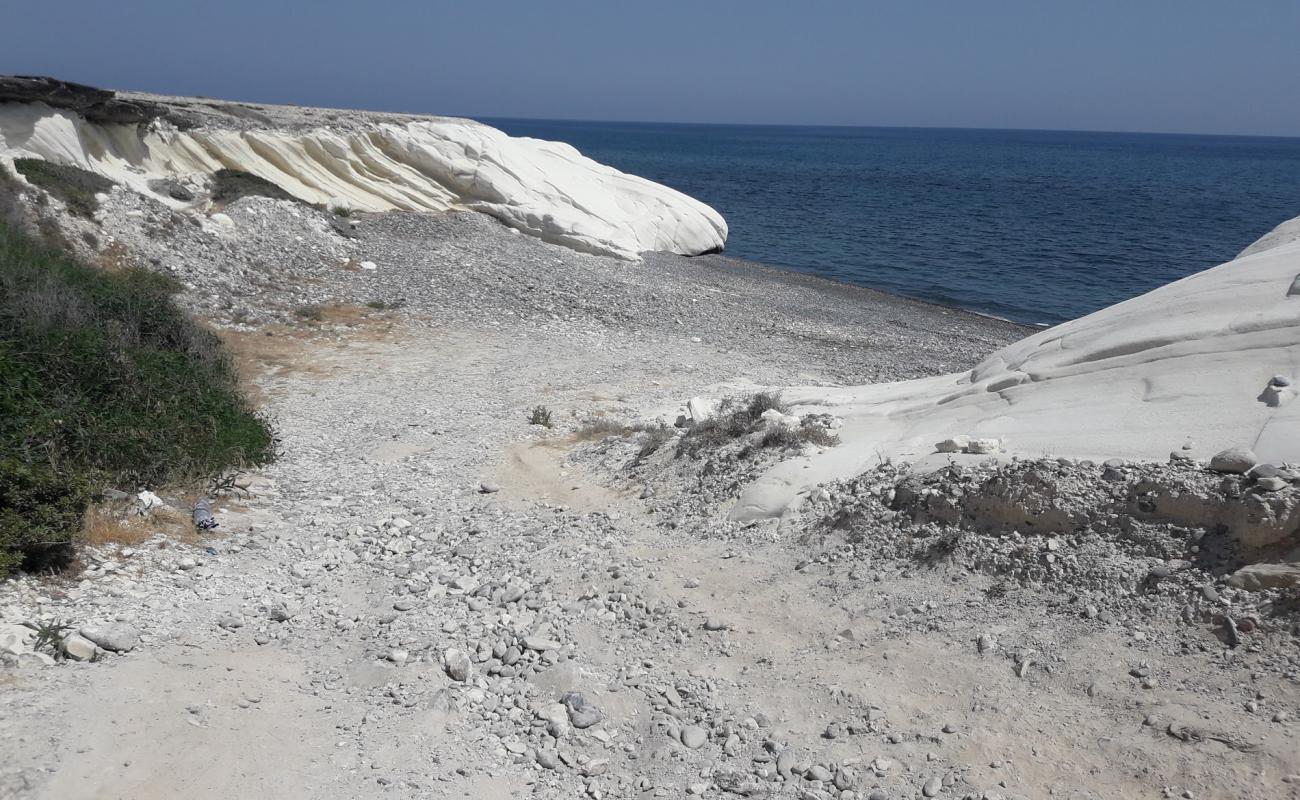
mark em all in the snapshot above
pixel 364 161
pixel 1211 357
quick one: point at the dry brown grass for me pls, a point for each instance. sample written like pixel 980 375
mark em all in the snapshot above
pixel 108 525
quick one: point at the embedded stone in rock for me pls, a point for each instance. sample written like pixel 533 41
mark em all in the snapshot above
pixel 581 713
pixel 1234 461
pixel 699 409
pixel 1272 484
pixel 540 643
pixel 955 444
pixel 1258 577
pixel 117 637
pixel 16 639
pixel 785 762
pixel 984 446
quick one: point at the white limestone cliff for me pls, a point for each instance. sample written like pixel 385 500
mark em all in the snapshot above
pixel 1194 361
pixel 384 162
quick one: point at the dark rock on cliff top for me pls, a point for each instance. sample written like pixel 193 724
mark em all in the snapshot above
pixel 95 105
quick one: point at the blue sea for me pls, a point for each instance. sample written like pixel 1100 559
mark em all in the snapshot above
pixel 1033 226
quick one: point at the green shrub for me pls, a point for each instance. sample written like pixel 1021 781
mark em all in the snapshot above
pixel 310 313
pixel 228 185
pixel 74 186
pixel 103 378
pixel 541 415
pixel 40 511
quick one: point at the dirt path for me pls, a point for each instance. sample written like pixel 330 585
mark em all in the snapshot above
pixel 866 672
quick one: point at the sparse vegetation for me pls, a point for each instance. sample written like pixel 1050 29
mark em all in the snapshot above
pixel 74 186
pixel 228 185
pixel 655 438
pixel 309 313
pixel 49 638
pixel 655 434
pixel 341 211
pixel 601 428
pixel 541 415
pixel 741 416
pixel 736 417
pixel 103 380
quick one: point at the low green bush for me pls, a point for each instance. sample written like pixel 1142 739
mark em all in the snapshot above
pixel 103 380
pixel 228 185
pixel 74 186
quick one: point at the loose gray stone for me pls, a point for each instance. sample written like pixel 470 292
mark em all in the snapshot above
pixel 548 759
pixel 540 643
pixel 1235 460
pixel 932 787
pixel 694 737
pixel 117 637
pixel 489 487
pixel 457 664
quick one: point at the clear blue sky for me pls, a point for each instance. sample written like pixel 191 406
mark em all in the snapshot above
pixel 1209 66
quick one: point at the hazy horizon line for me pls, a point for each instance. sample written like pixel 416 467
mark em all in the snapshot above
pixel 991 129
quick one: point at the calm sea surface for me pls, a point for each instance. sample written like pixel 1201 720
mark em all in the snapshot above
pixel 1035 226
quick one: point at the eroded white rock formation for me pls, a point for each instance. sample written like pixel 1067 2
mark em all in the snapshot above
pixel 1193 360
pixel 381 163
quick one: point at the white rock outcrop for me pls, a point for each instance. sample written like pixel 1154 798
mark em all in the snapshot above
pixel 383 163
pixel 1199 358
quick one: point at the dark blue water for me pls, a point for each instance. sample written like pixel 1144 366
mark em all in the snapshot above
pixel 1034 226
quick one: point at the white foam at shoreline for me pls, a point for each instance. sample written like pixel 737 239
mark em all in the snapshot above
pixel 1190 360
pixel 546 189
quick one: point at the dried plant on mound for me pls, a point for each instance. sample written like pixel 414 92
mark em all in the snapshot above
pixel 655 438
pixel 739 417
pixel 655 434
pixel 601 428
pixel 74 186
